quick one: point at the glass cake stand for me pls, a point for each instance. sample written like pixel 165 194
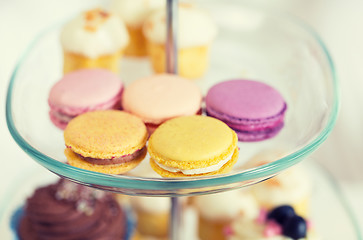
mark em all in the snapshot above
pixel 327 200
pixel 252 43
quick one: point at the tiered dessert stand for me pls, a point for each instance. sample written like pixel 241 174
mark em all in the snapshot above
pixel 252 43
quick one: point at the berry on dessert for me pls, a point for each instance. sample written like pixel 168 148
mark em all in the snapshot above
pixel 281 214
pixel 266 227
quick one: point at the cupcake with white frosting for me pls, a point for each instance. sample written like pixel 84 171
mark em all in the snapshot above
pixel 216 211
pixel 93 39
pixel 196 32
pixel 152 215
pixel 134 13
pixel 292 186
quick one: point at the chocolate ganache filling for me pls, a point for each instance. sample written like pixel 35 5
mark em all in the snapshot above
pixel 115 160
pixel 68 211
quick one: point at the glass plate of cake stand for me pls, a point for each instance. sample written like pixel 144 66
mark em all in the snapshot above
pixel 252 43
pixel 326 200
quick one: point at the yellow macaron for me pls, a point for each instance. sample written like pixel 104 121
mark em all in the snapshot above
pixel 109 141
pixel 193 146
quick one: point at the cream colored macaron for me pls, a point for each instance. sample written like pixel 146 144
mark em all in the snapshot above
pixel 158 98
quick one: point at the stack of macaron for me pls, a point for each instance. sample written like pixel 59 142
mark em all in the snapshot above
pixel 181 142
pixel 99 136
pixel 161 104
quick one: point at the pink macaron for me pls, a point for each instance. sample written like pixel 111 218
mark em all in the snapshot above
pixel 254 110
pixel 83 91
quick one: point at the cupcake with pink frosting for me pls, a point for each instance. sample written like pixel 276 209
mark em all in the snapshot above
pixel 281 223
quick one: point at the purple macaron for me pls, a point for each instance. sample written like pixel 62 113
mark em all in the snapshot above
pixel 254 110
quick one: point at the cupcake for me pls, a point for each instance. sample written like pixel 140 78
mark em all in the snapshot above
pixel 217 211
pixel 93 39
pixel 138 236
pixel 134 13
pixel 196 32
pixel 152 215
pixel 66 210
pixel 281 223
pixel 292 186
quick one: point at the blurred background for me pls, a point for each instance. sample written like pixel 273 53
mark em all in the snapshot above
pixel 339 23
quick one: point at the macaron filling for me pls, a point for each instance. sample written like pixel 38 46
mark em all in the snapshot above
pixel 244 124
pixel 258 134
pixel 115 160
pixel 254 129
pixel 208 169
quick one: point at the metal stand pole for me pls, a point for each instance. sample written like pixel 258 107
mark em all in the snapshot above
pixel 171 36
pixel 172 67
pixel 175 219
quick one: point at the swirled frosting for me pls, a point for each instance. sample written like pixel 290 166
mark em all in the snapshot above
pixel 66 210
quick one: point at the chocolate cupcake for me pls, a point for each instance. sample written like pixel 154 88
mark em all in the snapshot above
pixel 66 210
